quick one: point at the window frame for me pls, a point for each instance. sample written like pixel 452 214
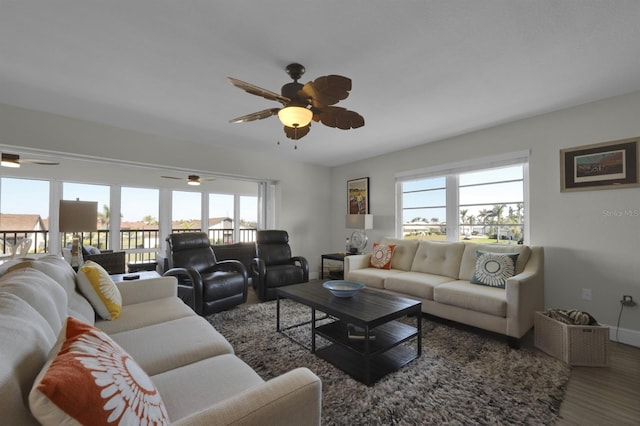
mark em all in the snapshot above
pixel 451 173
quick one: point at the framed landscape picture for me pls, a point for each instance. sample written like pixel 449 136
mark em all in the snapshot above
pixel 358 196
pixel 606 165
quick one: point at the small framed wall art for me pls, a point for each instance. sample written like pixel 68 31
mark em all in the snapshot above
pixel 358 196
pixel 607 165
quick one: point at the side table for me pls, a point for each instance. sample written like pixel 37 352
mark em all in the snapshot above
pixel 142 275
pixel 333 256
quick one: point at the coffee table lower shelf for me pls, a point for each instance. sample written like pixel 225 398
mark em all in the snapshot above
pixel 381 365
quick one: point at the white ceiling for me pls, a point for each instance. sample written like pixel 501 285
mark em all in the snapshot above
pixel 422 70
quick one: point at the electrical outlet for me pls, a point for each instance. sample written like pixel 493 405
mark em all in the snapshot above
pixel 627 300
pixel 586 293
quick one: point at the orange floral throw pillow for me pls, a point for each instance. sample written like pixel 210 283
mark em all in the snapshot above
pixel 381 255
pixel 91 380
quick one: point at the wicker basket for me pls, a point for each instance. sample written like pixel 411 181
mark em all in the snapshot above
pixel 584 345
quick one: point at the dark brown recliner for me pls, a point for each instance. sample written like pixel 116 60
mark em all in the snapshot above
pixel 275 267
pixel 208 286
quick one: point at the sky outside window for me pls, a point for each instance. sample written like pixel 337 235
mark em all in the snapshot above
pixel 13 199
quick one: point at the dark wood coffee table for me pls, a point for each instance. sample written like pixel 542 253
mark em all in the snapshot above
pixel 366 360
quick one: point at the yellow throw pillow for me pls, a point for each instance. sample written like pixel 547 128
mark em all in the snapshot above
pixel 90 379
pixel 98 287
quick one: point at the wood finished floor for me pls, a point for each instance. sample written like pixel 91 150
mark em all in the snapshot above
pixel 605 395
pixel 595 395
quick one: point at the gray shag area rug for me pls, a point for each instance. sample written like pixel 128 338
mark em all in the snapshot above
pixel 464 376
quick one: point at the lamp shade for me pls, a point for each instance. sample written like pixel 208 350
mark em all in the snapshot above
pixel 295 116
pixel 78 216
pixel 359 221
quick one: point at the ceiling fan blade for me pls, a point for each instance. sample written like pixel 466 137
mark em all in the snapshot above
pixel 327 90
pixel 297 132
pixel 339 117
pixel 172 177
pixel 258 91
pixel 39 162
pixel 265 113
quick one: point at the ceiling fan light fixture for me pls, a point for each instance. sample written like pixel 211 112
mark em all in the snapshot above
pixel 193 180
pixel 10 160
pixel 295 116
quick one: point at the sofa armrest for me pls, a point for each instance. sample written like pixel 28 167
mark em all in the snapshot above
pixel 294 398
pixel 138 291
pixel 525 295
pixel 356 261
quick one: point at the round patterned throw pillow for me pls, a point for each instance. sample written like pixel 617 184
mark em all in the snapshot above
pixel 90 379
pixel 493 269
pixel 381 255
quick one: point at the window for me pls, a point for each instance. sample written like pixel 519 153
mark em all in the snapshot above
pixel 100 194
pixel 186 212
pixel 139 230
pixel 221 214
pixel 482 202
pixel 491 204
pixel 24 216
pixel 424 208
pixel 248 218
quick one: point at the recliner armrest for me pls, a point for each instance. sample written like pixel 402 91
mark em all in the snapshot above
pixel 195 282
pixel 227 265
pixel 304 264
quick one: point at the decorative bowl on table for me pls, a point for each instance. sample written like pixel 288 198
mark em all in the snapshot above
pixel 342 288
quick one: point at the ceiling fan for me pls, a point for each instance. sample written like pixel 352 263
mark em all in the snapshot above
pixel 303 103
pixel 14 160
pixel 191 179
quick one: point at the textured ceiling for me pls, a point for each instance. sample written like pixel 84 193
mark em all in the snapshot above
pixel 421 70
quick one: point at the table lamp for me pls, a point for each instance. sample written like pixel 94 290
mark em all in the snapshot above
pixel 77 216
pixel 358 240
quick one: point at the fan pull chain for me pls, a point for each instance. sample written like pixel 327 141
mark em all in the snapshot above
pixel 294 147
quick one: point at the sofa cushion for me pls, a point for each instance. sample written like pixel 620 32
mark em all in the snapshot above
pixel 196 386
pixel 438 258
pixel 479 298
pixel 191 339
pixel 403 254
pixel 39 291
pixel 90 379
pixel 493 269
pixel 25 341
pixel 144 314
pixel 417 284
pixel 98 287
pixel 468 264
pixel 372 277
pixel 381 255
pixel 61 272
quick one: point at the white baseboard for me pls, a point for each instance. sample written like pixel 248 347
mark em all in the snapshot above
pixel 624 335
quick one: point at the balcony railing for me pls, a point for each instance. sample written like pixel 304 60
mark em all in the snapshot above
pixel 140 245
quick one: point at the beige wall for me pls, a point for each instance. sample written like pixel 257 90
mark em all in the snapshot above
pixel 586 244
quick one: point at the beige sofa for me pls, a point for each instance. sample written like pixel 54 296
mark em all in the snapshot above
pixel 439 274
pixel 193 367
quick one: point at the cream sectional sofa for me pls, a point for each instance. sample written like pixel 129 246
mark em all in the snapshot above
pixel 193 367
pixel 439 274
